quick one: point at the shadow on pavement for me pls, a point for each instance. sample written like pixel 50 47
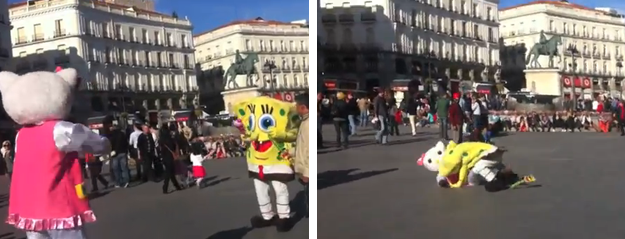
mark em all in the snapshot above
pixel 336 177
pixel 210 183
pixel 10 235
pixel 237 233
pixel 299 204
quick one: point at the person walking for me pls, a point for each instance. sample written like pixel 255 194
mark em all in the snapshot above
pixel 352 108
pixel 168 150
pixel 300 152
pixel 363 107
pixel 132 142
pixel 6 161
pixel 146 148
pixel 393 125
pixel 380 111
pixel 118 157
pixel 442 112
pixel 411 110
pixel 340 113
pixel 456 118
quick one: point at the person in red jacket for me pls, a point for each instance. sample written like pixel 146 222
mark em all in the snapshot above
pixel 456 118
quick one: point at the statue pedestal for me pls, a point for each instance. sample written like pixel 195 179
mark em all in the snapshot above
pixel 234 96
pixel 544 81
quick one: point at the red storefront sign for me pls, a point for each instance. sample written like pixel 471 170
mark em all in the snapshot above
pixel 288 97
pixel 579 82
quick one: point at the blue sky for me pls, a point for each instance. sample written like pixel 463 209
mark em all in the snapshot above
pixel 208 14
pixel 617 4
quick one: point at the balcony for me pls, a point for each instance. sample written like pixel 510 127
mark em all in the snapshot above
pixel 606 56
pixel 346 18
pixel 21 40
pixel 60 33
pixel 119 37
pixel 106 34
pixel 368 17
pixel 38 37
pixel 108 61
pixel 619 57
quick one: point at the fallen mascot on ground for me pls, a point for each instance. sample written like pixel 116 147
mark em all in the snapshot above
pixel 471 164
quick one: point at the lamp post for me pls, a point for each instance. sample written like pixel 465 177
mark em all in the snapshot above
pixel 619 66
pixel 271 65
pixel 573 50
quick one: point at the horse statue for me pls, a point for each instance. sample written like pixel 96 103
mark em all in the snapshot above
pixel 245 66
pixel 545 48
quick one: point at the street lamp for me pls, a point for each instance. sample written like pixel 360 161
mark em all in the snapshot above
pixel 270 65
pixel 573 50
pixel 430 56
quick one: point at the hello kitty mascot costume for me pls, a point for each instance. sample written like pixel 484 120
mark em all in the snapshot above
pixel 431 159
pixel 46 196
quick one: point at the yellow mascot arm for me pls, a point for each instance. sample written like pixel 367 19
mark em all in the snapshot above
pixel 462 177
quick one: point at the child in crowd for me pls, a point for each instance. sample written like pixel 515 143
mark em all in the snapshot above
pixel 196 160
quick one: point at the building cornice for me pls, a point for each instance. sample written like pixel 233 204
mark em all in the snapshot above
pixel 564 14
pixel 29 14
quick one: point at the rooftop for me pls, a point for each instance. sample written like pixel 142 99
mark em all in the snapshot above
pixel 556 3
pixel 254 22
pixel 96 2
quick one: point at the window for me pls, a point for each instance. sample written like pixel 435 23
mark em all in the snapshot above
pixel 21 35
pixel 248 45
pixel 120 56
pixel 118 32
pixel 157 38
pixel 159 60
pixel 105 30
pixel 171 60
pixel 107 53
pixel 58 28
pixel 145 35
pixel 38 32
pixel 132 32
pixel 184 40
pixel 170 40
pixel 187 63
pixel 304 62
pixel 148 59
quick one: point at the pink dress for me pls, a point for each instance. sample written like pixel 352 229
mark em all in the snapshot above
pixel 44 185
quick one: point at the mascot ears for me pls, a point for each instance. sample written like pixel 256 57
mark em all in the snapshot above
pixel 70 76
pixel 7 79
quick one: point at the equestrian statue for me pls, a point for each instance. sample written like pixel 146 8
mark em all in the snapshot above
pixel 545 47
pixel 241 66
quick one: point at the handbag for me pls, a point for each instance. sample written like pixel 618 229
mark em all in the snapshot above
pixel 175 154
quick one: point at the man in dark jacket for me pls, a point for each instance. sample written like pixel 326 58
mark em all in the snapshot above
pixel 340 115
pixel 411 110
pixel 146 147
pixel 380 111
pixel 119 150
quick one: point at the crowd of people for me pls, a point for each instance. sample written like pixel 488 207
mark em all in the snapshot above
pixel 463 114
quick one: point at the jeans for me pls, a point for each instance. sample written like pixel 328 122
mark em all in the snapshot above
pixel 364 119
pixel 342 132
pixel 352 124
pixel 382 135
pixel 119 165
pixel 443 127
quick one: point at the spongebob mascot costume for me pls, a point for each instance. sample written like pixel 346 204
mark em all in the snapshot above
pixel 475 163
pixel 270 128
